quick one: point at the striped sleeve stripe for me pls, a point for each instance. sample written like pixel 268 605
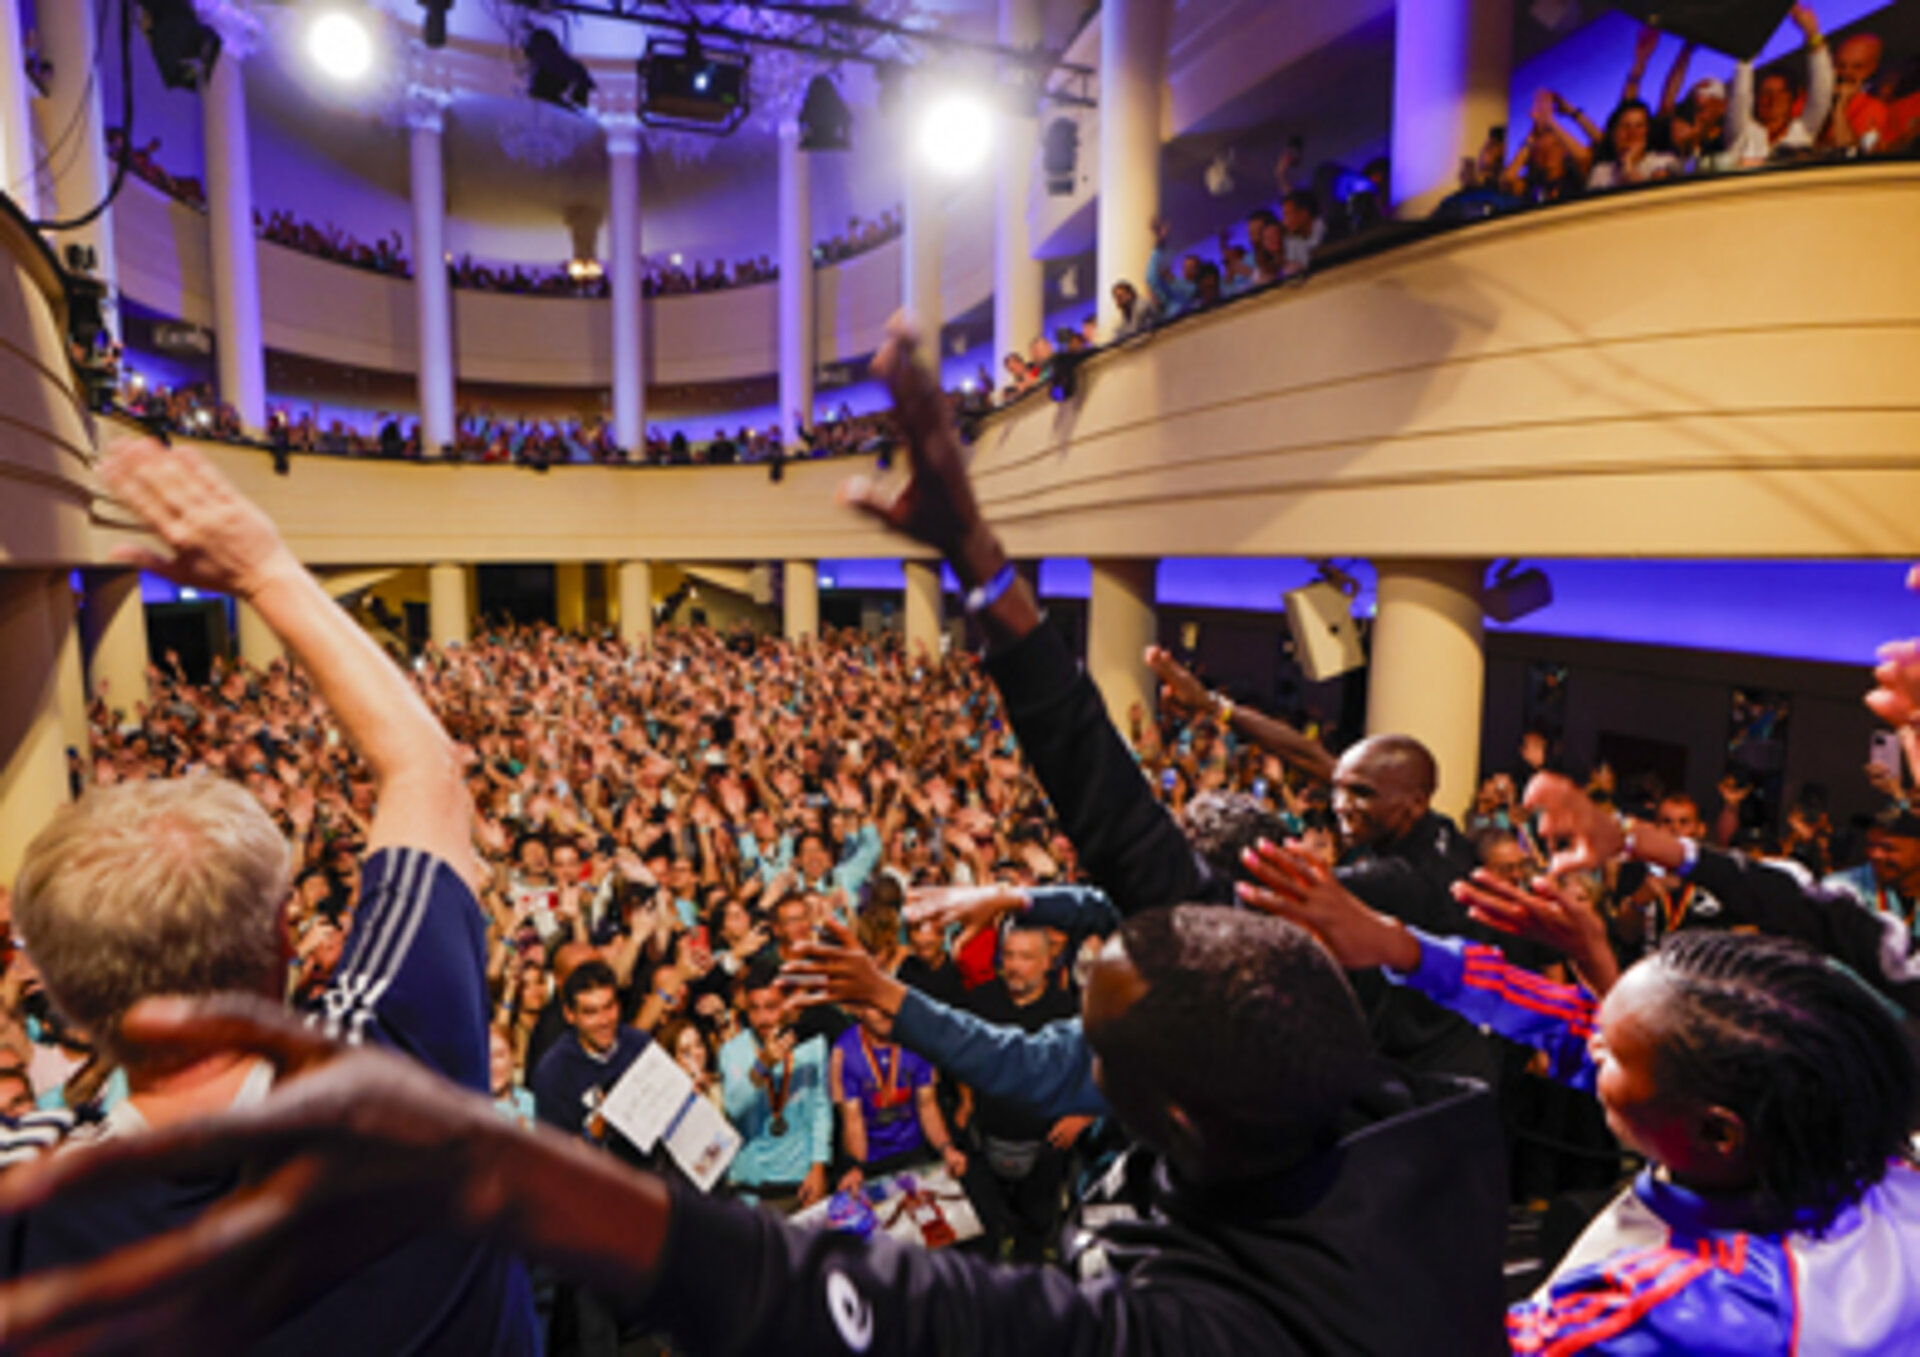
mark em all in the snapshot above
pixel 379 944
pixel 1577 1016
pixel 1643 1286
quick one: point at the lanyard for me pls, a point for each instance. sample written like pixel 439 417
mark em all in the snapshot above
pixel 1677 907
pixel 887 1094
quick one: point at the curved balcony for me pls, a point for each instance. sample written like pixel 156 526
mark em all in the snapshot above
pixel 1714 369
pixel 320 309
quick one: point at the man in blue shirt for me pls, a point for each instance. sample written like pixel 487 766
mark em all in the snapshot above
pixel 573 1080
pixel 175 887
pixel 775 1089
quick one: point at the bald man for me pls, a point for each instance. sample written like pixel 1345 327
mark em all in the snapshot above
pixel 1401 857
pixel 1859 118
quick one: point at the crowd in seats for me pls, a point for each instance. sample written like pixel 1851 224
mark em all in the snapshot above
pixel 1842 103
pixel 669 277
pixel 144 161
pixel 192 409
pixel 386 255
pixel 930 936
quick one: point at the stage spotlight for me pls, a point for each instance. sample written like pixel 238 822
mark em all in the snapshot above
pixel 340 45
pixel 1060 156
pixel 433 32
pixel 556 77
pixel 956 133
pixel 1516 593
pixel 184 48
pixel 826 124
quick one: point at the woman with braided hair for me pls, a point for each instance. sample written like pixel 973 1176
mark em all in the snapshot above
pixel 1771 1090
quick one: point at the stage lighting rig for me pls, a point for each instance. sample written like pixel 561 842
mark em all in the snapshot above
pixel 826 123
pixel 433 29
pixel 555 77
pixel 184 47
pixel 687 85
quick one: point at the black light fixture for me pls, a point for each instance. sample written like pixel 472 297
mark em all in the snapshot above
pixel 1514 593
pixel 1060 155
pixel 826 124
pixel 688 85
pixel 184 47
pixel 433 32
pixel 557 78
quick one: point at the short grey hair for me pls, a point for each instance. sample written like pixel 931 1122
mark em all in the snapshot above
pixel 149 888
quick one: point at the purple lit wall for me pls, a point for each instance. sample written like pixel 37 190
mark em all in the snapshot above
pixel 1836 611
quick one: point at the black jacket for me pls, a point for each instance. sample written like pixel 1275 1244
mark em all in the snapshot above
pixel 1131 848
pixel 1387 1244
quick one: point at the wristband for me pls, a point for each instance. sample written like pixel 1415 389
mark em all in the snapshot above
pixel 983 597
pixel 1223 709
pixel 1689 858
pixel 1627 844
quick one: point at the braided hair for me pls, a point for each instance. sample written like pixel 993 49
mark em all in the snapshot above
pixel 1818 1066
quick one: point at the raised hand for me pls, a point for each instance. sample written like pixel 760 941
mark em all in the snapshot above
pixel 972 908
pixel 218 539
pixel 1178 687
pixel 839 971
pixel 1302 889
pixel 1544 913
pixel 936 505
pixel 1590 837
pixel 1896 698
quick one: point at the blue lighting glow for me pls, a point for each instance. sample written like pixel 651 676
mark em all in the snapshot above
pixel 1834 611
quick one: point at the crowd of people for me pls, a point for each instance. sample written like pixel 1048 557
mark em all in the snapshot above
pixel 195 410
pixel 1822 104
pixel 1198 1019
pixel 668 276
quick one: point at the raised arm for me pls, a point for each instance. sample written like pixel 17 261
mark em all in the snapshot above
pixel 1050 1072
pixel 1180 688
pixel 221 541
pixel 1127 842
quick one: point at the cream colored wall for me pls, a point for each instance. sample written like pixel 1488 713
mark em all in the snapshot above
pixel 45 445
pixel 346 315
pixel 1722 368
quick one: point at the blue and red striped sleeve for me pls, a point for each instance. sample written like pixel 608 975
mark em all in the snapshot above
pixel 1722 1293
pixel 1482 986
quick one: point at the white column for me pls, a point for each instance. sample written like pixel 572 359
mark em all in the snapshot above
pixel 1133 96
pixel 113 628
pixel 796 287
pixel 1019 312
pixel 72 110
pixel 623 281
pixel 801 613
pixel 449 610
pixel 1452 62
pixel 432 296
pixel 16 119
pixel 1120 627
pixel 1428 672
pixel 63 613
pixel 636 603
pixel 33 764
pixel 923 239
pixel 258 645
pixel 570 596
pixel 236 272
pixel 923 608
